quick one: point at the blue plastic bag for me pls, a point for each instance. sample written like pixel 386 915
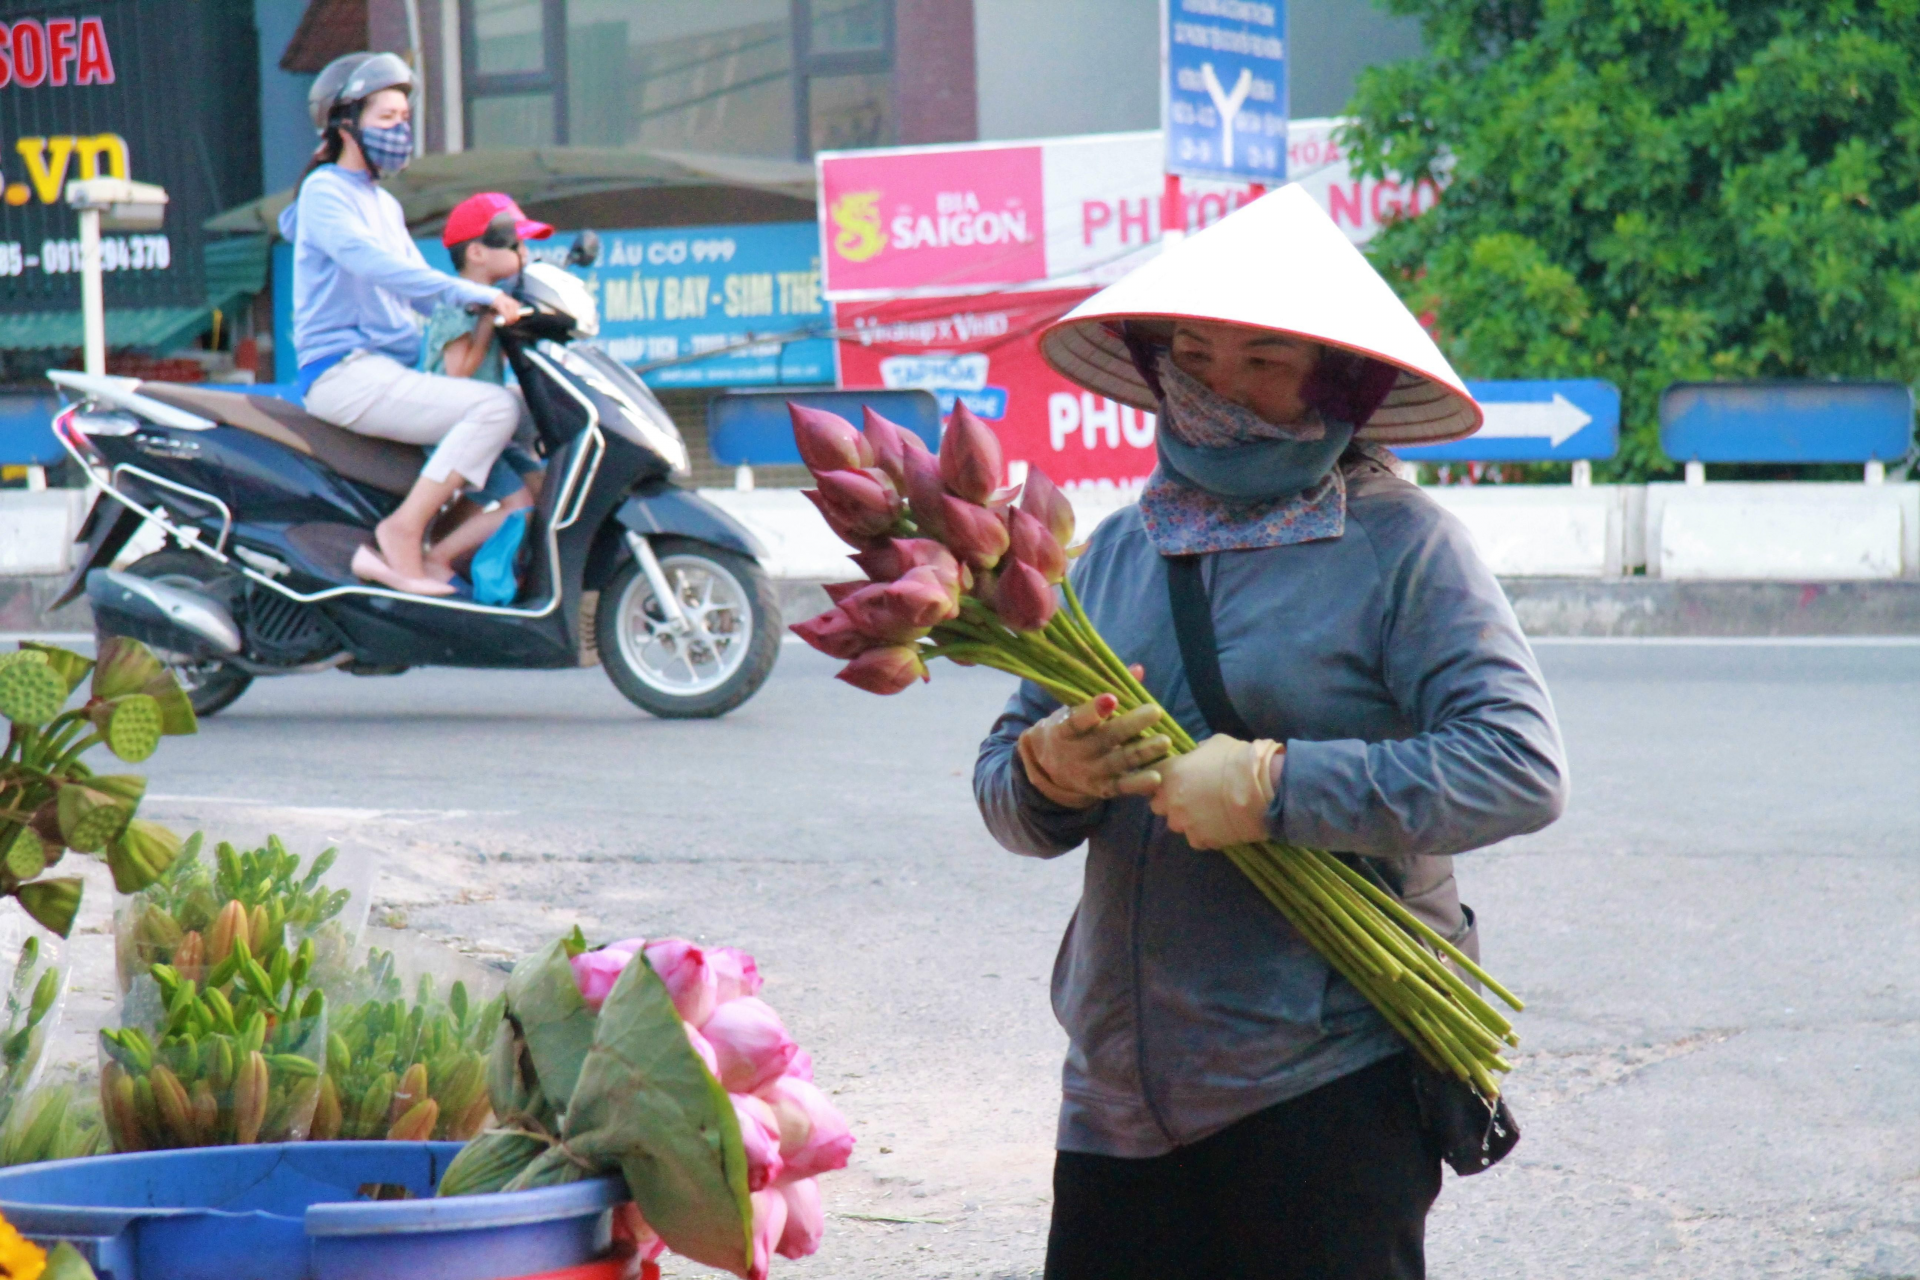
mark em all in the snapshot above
pixel 492 571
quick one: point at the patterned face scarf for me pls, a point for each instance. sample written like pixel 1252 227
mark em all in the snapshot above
pixel 1229 480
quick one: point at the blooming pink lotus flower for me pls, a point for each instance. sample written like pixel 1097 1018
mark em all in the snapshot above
pixel 1042 499
pixel 683 967
pixel 889 443
pixel 973 533
pixel 834 634
pixel 827 441
pixel 858 507
pixel 595 972
pixel 701 1047
pixel 814 1137
pixel 898 556
pixel 885 670
pixel 902 610
pixel 926 492
pixel 806 1223
pixel 735 971
pixel 1022 597
pixel 760 1135
pixel 1033 544
pixel 752 1045
pixel 970 460
pixel 769 1225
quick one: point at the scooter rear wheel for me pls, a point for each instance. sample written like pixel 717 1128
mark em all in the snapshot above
pixel 724 656
pixel 210 686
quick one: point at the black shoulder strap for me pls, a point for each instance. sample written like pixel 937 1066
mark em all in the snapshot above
pixel 1199 651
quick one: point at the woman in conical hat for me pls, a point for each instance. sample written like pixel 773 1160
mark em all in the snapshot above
pixel 1233 1107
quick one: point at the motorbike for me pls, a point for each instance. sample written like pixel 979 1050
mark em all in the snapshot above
pixel 262 506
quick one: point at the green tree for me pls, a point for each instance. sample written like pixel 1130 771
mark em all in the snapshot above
pixel 1655 190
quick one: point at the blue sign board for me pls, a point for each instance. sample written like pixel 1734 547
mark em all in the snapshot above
pixel 26 430
pixel 754 429
pixel 1226 89
pixel 1786 421
pixel 1553 421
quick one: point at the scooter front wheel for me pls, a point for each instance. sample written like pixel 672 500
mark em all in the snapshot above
pixel 712 657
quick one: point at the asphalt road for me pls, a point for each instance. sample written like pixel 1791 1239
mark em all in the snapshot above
pixel 1721 1056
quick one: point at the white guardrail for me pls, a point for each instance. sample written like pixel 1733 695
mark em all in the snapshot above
pixel 1720 531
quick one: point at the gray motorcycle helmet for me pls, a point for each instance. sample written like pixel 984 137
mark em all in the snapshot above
pixel 352 77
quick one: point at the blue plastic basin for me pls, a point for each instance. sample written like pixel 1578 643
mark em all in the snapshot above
pixel 292 1211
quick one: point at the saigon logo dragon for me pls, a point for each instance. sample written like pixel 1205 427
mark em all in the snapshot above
pixel 856 221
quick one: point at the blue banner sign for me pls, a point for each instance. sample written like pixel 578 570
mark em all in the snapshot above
pixel 737 291
pixel 754 428
pixel 1786 421
pixel 26 430
pixel 1554 421
pixel 1225 96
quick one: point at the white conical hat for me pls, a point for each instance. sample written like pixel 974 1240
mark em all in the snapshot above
pixel 1277 263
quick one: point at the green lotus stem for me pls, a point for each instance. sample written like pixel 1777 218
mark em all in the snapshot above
pixel 1406 919
pixel 79 749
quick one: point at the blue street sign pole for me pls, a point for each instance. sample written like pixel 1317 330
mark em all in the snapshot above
pixel 1224 89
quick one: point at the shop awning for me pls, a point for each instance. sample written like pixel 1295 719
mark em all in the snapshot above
pixel 645 188
pixel 236 269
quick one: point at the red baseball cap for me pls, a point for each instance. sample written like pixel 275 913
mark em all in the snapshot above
pixel 470 217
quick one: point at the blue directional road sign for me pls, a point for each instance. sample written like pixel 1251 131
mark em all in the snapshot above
pixel 1225 96
pixel 1786 421
pixel 1556 421
pixel 753 428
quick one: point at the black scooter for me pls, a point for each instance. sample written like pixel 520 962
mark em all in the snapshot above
pixel 262 507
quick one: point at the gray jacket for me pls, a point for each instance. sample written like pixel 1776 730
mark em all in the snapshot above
pixel 1416 725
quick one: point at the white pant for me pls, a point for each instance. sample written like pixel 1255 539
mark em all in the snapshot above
pixel 373 395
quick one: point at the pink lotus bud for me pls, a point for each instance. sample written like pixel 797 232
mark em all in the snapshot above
pixel 701 1047
pixel 973 533
pixel 806 1224
pixel 1033 544
pixel 633 1235
pixel 760 1134
pixel 814 1137
pixel 801 1068
pixel 629 945
pixel 896 556
pixel 866 504
pixel 769 1225
pixel 595 972
pixel 926 492
pixel 828 442
pixel 845 527
pixel 1022 597
pixel 1042 499
pixel 970 460
pixel 900 611
pixel 885 670
pixel 683 967
pixel 889 444
pixel 735 971
pixel 838 591
pixel 751 1044
pixel 834 634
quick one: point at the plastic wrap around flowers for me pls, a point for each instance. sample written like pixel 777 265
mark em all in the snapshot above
pixel 674 1073
pixel 959 571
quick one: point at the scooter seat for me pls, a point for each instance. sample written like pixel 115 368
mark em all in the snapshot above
pixel 382 464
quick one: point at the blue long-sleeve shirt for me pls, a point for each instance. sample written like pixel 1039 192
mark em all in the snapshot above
pixel 358 277
pixel 1416 725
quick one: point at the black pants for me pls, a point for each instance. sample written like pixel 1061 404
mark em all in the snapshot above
pixel 1332 1185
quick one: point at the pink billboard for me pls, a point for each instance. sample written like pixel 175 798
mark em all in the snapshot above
pixel 932 219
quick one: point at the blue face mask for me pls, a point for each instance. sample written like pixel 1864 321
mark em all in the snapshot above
pixel 388 150
pixel 1259 470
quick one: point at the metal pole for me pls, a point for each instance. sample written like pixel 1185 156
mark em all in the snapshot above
pixel 93 310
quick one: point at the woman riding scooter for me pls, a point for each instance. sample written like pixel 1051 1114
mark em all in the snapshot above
pixel 356 275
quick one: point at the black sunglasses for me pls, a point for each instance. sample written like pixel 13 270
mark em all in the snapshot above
pixel 501 233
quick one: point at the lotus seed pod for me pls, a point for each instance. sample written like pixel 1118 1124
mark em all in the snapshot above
pixel 89 817
pixel 73 667
pixel 133 727
pixel 417 1124
pixel 26 855
pixel 31 693
pixel 230 925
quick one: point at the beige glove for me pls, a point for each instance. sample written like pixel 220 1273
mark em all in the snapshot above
pixel 1077 758
pixel 1218 793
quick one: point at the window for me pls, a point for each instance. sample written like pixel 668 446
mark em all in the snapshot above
pixel 740 77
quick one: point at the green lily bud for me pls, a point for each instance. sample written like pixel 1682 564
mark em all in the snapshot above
pixel 44 995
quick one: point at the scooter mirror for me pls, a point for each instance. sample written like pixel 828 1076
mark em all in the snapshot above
pixel 585 251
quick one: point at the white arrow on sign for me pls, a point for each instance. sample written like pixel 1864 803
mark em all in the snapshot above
pixel 1556 419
